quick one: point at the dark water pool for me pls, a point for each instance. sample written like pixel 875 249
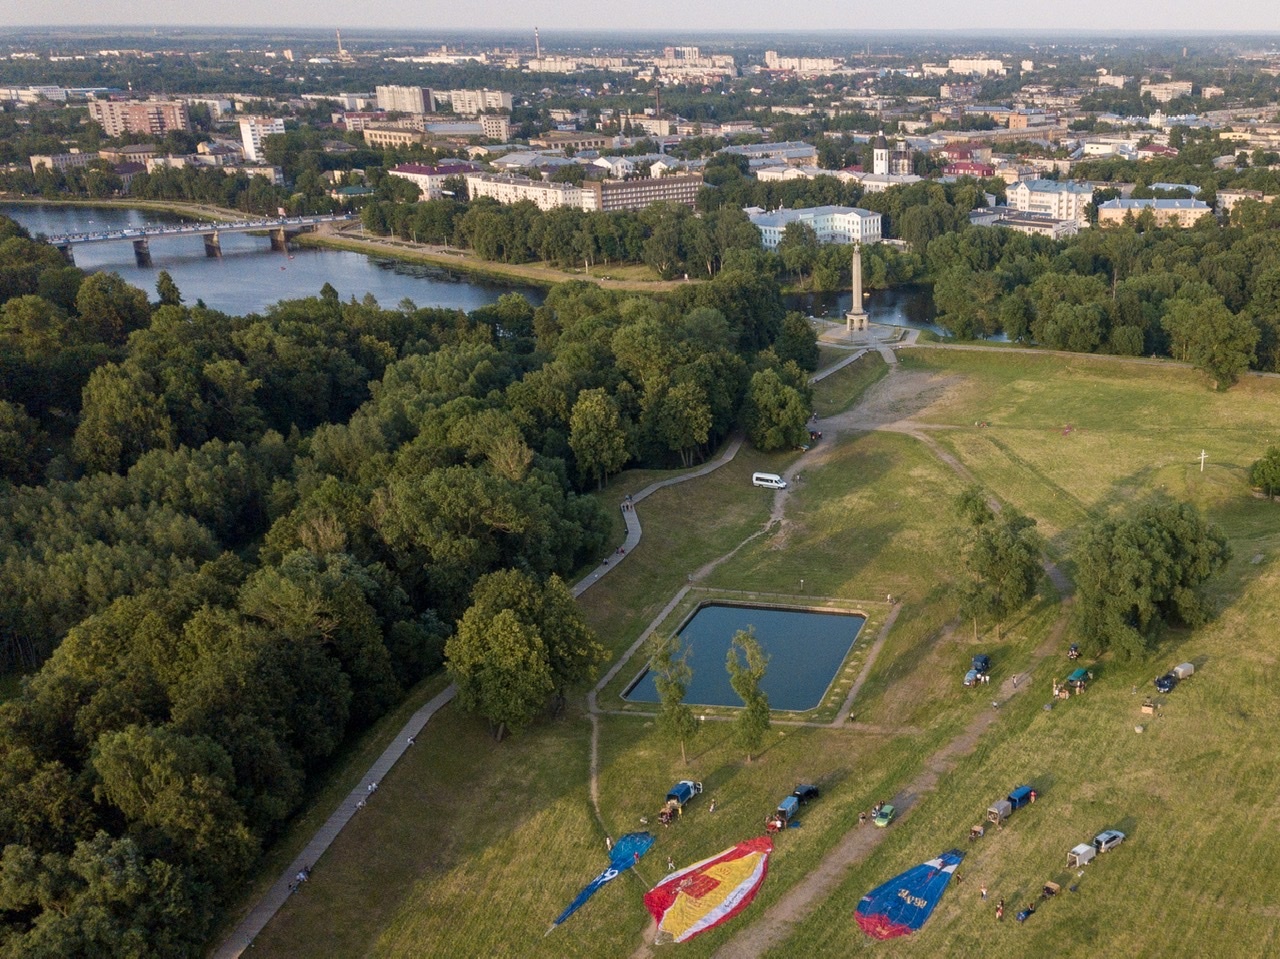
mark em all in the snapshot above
pixel 805 650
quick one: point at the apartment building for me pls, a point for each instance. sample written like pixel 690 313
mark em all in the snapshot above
pixel 1164 92
pixel 831 224
pixel 508 188
pixel 253 130
pixel 401 99
pixel 793 153
pixel 496 126
pixel 471 103
pixel 609 195
pixel 566 140
pixel 430 178
pixel 1062 200
pixel 147 117
pixel 805 65
pixel 134 153
pixel 383 137
pixel 975 67
pixel 61 162
pixel 1179 213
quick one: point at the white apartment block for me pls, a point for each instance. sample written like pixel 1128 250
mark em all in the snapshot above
pixel 472 102
pixel 253 130
pixel 606 196
pixel 976 67
pixel 1164 92
pixel 1177 213
pixel 496 126
pixel 1113 80
pixel 61 161
pixel 812 65
pixel 832 224
pixel 1061 200
pixel 404 99
pixel 506 188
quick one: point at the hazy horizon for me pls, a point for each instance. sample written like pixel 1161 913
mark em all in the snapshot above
pixel 1080 17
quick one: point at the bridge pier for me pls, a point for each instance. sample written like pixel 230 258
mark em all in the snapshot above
pixel 67 253
pixel 279 239
pixel 142 252
pixel 212 245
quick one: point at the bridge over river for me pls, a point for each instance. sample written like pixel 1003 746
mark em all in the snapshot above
pixel 280 229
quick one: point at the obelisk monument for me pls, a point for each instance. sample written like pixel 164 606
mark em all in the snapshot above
pixel 856 318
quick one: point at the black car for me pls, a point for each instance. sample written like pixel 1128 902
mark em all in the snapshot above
pixel 982 664
pixel 806 792
pixel 1166 682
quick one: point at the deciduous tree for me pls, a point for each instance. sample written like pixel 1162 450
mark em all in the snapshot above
pixel 669 663
pixel 1137 572
pixel 746 663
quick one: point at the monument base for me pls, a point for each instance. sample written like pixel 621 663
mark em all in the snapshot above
pixel 856 321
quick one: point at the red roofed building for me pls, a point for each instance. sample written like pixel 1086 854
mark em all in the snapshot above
pixel 430 178
pixel 967 150
pixel 969 168
pixel 1154 151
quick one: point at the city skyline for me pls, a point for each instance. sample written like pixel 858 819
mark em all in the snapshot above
pixel 1084 17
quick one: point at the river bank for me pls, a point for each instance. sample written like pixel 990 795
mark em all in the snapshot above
pixel 350 237
pixel 248 276
pixel 344 237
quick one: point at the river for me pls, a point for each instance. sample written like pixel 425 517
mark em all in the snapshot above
pixel 249 277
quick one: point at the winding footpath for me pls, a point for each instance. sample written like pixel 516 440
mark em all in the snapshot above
pixel 881 409
pixel 262 912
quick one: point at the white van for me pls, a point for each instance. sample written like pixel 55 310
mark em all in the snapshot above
pixel 768 480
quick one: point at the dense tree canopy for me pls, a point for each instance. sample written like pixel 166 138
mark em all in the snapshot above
pixel 1142 570
pixel 228 544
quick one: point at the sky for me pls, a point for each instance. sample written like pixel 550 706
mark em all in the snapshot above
pixel 1093 16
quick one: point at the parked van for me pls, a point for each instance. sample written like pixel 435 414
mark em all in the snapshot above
pixel 768 480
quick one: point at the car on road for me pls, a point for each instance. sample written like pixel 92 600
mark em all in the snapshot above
pixel 885 815
pixel 1166 683
pixel 1105 841
pixel 805 792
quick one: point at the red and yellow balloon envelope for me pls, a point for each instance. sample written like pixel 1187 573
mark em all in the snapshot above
pixel 701 896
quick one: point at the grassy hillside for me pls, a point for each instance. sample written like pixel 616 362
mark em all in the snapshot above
pixel 472 847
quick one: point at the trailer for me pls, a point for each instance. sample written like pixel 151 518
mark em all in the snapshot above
pixel 1081 855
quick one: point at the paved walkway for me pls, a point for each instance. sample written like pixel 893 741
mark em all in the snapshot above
pixel 264 910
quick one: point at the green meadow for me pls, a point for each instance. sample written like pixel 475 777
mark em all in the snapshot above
pixel 473 847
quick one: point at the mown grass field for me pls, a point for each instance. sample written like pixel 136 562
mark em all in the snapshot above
pixel 473 847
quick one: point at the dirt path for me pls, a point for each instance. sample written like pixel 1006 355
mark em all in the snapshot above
pixel 890 406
